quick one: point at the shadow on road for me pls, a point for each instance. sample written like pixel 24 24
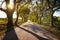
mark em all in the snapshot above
pixel 11 35
pixel 37 36
pixel 34 27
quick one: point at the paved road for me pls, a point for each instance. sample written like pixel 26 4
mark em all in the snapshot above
pixel 28 31
pixel 38 30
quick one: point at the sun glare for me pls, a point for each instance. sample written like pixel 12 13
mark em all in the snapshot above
pixel 10 6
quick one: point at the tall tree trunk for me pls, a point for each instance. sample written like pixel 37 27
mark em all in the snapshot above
pixel 39 20
pixel 16 19
pixel 9 16
pixel 10 21
pixel 17 14
pixel 52 17
pixel 9 13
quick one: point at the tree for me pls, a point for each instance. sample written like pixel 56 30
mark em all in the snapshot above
pixel 53 6
pixel 25 11
pixel 39 10
pixel 9 11
pixel 32 17
pixel 19 6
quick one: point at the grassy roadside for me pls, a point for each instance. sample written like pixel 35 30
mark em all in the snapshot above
pixel 2 29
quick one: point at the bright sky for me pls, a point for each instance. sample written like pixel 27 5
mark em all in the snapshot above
pixel 57 13
pixel 3 15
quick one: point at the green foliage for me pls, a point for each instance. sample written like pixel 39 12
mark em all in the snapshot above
pixel 24 10
pixel 3 21
pixel 32 17
pixel 57 22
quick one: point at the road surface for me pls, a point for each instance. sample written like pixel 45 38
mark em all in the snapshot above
pixel 28 31
pixel 38 30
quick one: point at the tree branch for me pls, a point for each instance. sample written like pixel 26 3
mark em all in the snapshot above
pixel 56 8
pixel 2 9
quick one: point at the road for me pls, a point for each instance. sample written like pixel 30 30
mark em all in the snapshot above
pixel 38 30
pixel 29 31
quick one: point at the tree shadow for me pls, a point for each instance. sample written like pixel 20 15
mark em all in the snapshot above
pixel 10 35
pixel 37 36
pixel 35 28
pixel 41 30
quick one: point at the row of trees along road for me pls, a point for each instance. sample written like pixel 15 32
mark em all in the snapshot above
pixel 42 7
pixel 45 9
